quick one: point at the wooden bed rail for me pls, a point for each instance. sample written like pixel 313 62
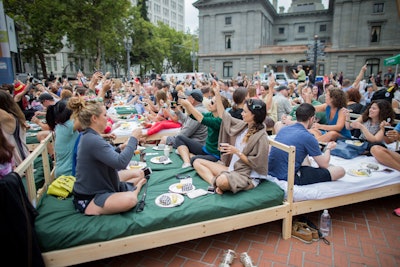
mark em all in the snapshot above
pixel 26 169
pixel 133 243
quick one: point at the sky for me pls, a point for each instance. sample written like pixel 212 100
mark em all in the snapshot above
pixel 192 19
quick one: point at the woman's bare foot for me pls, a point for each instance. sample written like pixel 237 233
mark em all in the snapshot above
pixel 219 191
pixel 140 184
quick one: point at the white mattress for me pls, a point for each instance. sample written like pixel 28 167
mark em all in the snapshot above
pixel 346 185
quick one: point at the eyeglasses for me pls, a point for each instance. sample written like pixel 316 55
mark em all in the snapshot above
pixel 252 105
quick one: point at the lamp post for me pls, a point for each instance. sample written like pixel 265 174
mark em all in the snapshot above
pixel 193 57
pixel 315 54
pixel 128 47
pixel 265 68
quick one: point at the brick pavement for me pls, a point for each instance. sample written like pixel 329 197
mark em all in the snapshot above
pixel 363 234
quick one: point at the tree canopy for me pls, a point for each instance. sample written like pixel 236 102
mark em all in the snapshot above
pixel 96 29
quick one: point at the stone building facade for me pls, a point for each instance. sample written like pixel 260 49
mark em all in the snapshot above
pixel 249 36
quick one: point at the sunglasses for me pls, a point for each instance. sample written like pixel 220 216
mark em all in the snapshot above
pixel 252 105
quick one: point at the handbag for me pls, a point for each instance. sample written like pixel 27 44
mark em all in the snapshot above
pixel 62 186
pixel 349 149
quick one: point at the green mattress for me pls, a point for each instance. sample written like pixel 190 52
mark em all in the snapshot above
pixel 59 226
pixel 125 110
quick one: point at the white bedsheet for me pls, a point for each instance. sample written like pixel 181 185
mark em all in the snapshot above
pixel 346 185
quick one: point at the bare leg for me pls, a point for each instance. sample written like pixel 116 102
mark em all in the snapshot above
pixel 117 202
pixel 336 172
pixel 184 153
pixel 386 157
pixel 208 169
pixel 329 136
pixel 163 140
pixel 132 176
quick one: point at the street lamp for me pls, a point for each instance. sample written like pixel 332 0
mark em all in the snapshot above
pixel 315 54
pixel 128 47
pixel 265 68
pixel 193 56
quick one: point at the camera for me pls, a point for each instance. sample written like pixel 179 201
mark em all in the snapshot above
pixel 147 171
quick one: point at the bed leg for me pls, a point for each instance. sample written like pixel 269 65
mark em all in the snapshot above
pixel 287 226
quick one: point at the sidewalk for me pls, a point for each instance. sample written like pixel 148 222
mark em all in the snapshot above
pixel 363 234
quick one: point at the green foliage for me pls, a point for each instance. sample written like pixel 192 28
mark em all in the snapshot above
pixel 96 29
pixel 41 24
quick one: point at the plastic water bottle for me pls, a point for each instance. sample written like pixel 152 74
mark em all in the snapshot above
pixel 325 223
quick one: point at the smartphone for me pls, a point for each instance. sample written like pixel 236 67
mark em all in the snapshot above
pixel 147 171
pixel 387 170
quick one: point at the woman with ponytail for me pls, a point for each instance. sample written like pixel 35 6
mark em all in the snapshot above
pixel 243 146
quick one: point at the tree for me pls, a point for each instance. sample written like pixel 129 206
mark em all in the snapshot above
pixel 42 26
pixel 97 27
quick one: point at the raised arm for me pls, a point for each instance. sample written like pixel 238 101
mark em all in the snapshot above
pixel 360 76
pixel 218 100
pixel 191 110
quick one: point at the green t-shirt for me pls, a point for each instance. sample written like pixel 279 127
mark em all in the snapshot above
pixel 213 125
pixel 301 76
pixel 321 116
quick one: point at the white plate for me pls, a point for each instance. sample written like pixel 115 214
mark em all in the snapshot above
pixel 136 167
pixel 156 160
pixel 177 188
pixel 354 142
pixel 140 148
pixel 176 200
pixel 359 172
pixel 371 166
pixel 157 148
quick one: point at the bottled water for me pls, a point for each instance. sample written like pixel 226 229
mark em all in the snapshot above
pixel 325 223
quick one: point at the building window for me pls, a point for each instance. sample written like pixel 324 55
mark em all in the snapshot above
pixel 378 8
pixel 372 67
pixel 322 28
pixel 302 29
pixel 228 69
pixel 375 34
pixel 281 30
pixel 228 41
pixel 228 20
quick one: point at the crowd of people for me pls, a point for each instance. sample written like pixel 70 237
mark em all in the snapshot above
pixel 224 128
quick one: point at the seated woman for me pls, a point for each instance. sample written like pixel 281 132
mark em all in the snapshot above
pixel 238 96
pixel 6 156
pixel 372 122
pixel 186 147
pixel 246 156
pixel 353 101
pixel 103 185
pixel 58 118
pixel 12 124
pixel 335 101
pixel 166 119
pixel 385 156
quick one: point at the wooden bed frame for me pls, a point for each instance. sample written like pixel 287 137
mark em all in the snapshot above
pixel 125 245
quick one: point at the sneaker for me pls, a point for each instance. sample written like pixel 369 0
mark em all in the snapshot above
pixel 301 233
pixel 227 258
pixel 314 232
pixel 186 165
